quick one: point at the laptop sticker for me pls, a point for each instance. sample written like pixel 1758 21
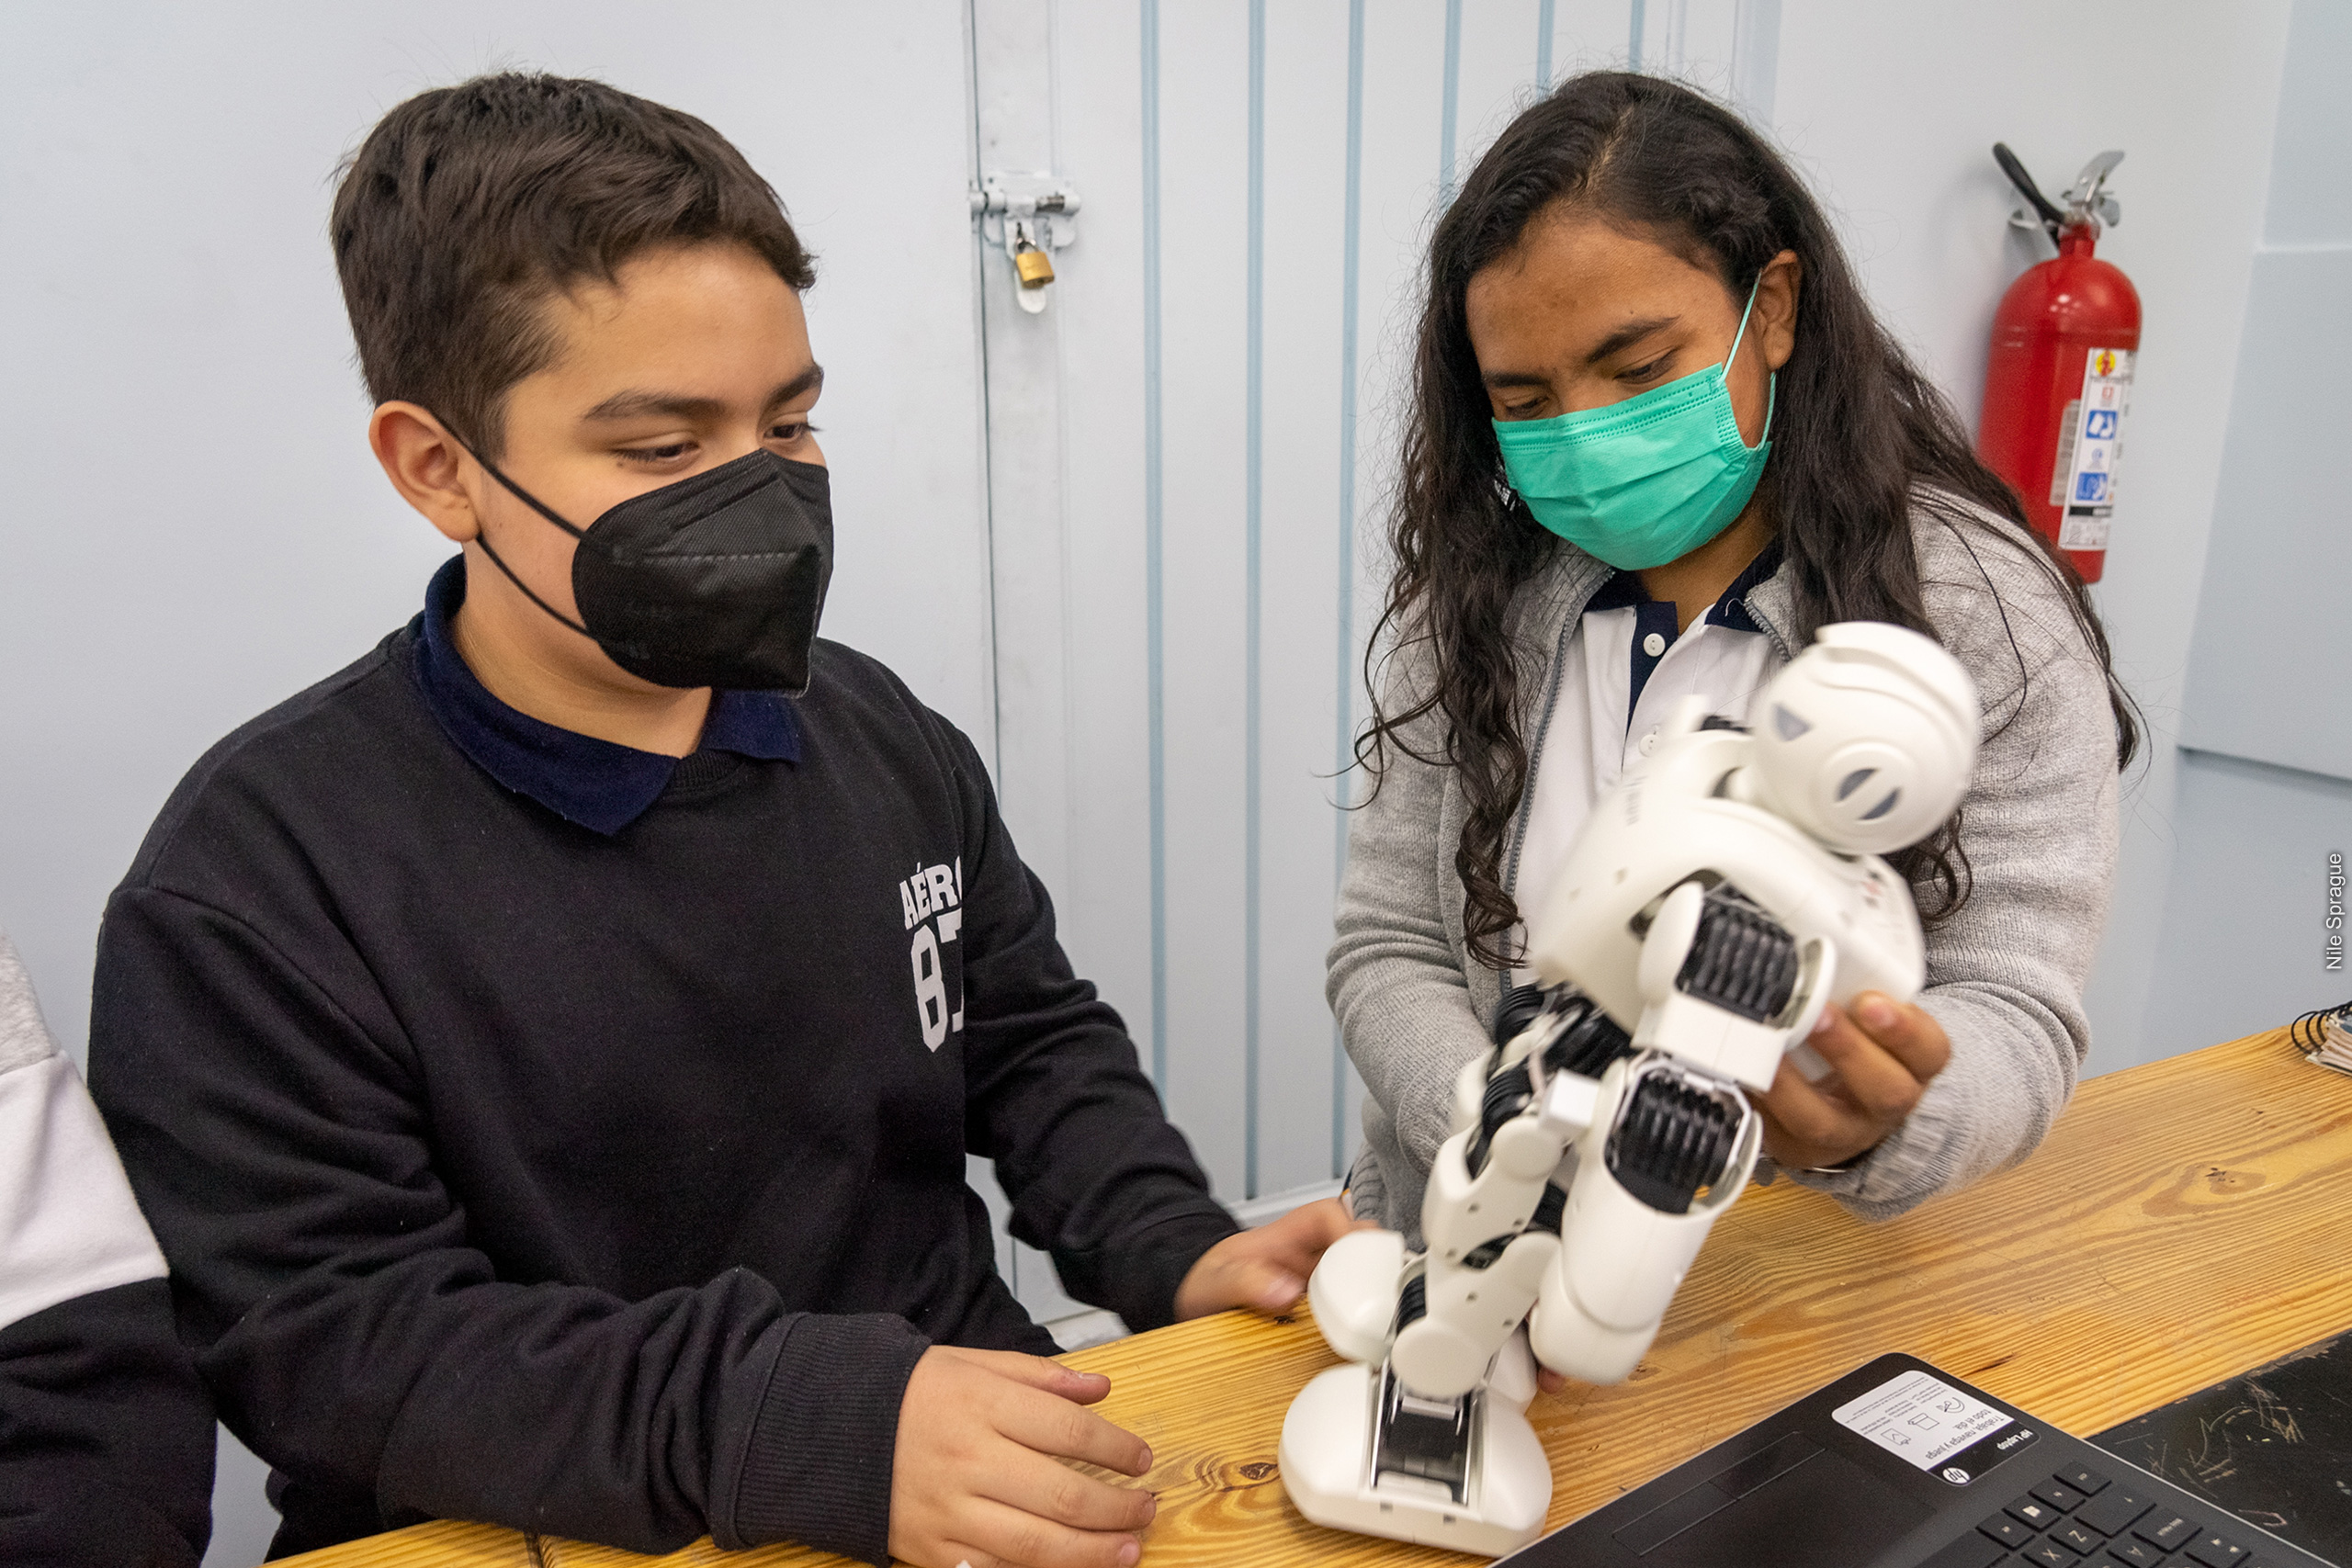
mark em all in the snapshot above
pixel 1928 1424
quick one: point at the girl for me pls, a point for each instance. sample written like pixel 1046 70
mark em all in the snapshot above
pixel 1656 439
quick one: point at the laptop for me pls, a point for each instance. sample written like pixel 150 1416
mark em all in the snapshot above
pixel 1900 1465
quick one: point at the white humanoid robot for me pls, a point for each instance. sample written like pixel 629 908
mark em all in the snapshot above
pixel 1720 894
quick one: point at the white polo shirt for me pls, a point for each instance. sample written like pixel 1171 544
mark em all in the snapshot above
pixel 1622 672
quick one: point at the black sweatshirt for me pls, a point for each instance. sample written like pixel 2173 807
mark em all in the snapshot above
pixel 608 1183
pixel 106 1436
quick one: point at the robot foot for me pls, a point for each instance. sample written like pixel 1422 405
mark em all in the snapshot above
pixel 1467 1476
pixel 1570 1340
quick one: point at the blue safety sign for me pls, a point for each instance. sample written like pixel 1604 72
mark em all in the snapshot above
pixel 2090 449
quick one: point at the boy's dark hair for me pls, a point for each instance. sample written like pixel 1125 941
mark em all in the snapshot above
pixel 468 207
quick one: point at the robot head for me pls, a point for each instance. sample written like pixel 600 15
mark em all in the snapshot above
pixel 1867 739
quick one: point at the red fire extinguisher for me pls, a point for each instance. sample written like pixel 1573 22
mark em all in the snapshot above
pixel 2058 383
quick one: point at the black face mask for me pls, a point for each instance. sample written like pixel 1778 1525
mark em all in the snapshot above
pixel 715 581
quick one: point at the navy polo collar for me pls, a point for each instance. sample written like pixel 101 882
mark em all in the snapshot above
pixel 1654 619
pixel 1623 590
pixel 597 783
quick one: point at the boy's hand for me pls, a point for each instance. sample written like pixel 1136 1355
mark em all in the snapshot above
pixel 976 1478
pixel 1266 1267
pixel 1885 1055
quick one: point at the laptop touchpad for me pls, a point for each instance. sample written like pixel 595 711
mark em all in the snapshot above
pixel 1827 1512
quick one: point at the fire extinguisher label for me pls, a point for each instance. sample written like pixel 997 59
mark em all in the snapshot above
pixel 2090 450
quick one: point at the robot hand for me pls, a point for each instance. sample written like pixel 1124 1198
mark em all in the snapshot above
pixel 1717 898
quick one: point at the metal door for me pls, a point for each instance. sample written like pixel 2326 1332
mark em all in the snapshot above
pixel 1188 450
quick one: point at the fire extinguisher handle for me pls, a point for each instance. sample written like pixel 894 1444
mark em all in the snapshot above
pixel 2051 216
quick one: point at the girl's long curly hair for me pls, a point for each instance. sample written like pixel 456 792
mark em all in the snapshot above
pixel 1861 437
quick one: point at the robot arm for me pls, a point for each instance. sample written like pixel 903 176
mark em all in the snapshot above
pixel 1718 897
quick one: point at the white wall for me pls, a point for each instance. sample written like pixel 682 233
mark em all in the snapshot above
pixel 1893 110
pixel 192 527
pixel 2266 772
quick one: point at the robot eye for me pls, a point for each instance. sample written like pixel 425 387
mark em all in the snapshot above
pixel 1855 780
pixel 1884 807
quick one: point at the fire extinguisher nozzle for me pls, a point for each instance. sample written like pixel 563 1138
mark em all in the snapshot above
pixel 2048 210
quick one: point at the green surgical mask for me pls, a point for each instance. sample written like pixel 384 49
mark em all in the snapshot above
pixel 1644 481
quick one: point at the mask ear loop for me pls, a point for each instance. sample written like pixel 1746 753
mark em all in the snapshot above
pixel 481 536
pixel 1772 377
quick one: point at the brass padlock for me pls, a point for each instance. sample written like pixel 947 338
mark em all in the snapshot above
pixel 1035 268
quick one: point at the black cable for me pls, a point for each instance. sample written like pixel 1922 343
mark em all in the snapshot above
pixel 2310 1029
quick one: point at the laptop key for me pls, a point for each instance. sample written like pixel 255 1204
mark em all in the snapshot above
pixel 2112 1513
pixel 1968 1552
pixel 2083 1541
pixel 2048 1554
pixel 2059 1496
pixel 2084 1479
pixel 2165 1528
pixel 2215 1552
pixel 2137 1553
pixel 2032 1510
pixel 2005 1530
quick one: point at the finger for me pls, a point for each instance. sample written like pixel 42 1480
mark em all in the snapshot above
pixel 1908 1031
pixel 1318 1225
pixel 1298 1240
pixel 1051 1490
pixel 1043 1372
pixel 1267 1286
pixel 956 1554
pixel 1055 1426
pixel 1809 1116
pixel 1869 1076
pixel 1240 1271
pixel 1013 1538
pixel 1327 1221
pixel 1881 1088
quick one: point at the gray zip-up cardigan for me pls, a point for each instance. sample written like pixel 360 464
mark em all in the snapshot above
pixel 2005 974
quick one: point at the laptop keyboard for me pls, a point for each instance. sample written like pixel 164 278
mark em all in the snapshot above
pixel 2078 1518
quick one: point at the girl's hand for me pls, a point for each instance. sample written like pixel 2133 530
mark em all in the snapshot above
pixel 1265 1269
pixel 1883 1053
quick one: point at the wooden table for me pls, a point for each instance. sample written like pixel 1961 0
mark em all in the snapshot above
pixel 2185 1221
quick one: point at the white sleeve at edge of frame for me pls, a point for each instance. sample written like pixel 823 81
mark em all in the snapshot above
pixel 68 1223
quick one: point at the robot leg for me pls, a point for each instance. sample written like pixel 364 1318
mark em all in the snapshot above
pixel 1674 1153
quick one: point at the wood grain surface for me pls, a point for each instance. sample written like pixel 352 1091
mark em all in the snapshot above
pixel 445 1543
pixel 2185 1221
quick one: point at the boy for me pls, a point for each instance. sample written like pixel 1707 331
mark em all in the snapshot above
pixel 106 1437
pixel 548 1048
